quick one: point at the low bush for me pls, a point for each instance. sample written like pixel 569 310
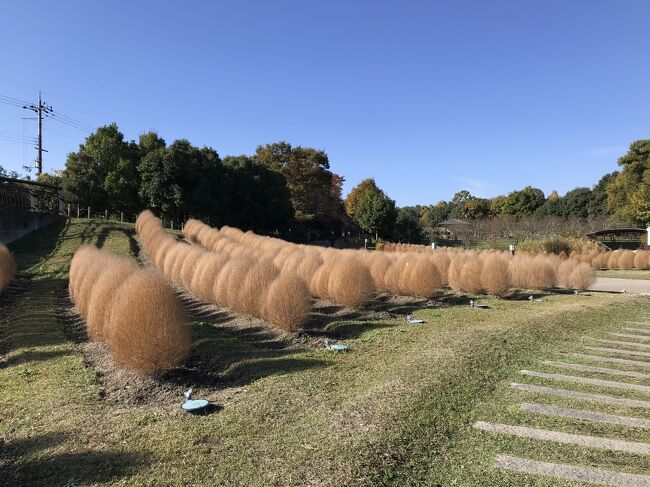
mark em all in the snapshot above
pixel 495 276
pixel 131 309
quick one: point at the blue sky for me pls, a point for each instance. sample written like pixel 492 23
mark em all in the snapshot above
pixel 427 97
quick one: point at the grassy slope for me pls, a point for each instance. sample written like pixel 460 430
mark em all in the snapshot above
pixel 397 409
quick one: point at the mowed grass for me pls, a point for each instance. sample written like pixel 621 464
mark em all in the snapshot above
pixel 395 410
pixel 623 274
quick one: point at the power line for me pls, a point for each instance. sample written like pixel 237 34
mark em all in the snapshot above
pixel 17 141
pixel 10 99
pixel 72 120
pixel 42 110
pixel 17 136
pixel 57 118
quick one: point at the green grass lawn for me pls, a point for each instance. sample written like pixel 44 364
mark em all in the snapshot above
pixel 620 274
pixel 395 410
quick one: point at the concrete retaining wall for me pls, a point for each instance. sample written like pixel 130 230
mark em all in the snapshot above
pixel 15 223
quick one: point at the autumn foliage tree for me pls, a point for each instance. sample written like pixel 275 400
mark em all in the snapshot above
pixel 313 188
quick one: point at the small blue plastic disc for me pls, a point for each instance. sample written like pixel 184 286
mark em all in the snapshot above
pixel 194 404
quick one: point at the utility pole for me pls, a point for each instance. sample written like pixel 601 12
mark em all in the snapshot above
pixel 40 109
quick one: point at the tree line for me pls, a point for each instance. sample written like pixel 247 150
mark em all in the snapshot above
pixel 278 188
pixel 291 188
pixel 622 196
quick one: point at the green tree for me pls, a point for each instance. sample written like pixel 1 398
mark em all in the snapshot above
pixel 576 202
pixel 258 197
pixel 461 197
pixel 352 199
pixel 437 213
pixel 182 181
pixel 476 209
pixel 8 174
pixel 376 212
pixel 524 202
pixel 407 226
pixel 598 204
pixel 83 180
pixel 102 173
pixel 627 190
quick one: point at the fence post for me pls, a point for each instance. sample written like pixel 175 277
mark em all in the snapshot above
pixel 121 217
pixel 77 211
pixel 182 226
pixel 171 224
pixel 106 215
pixel 89 212
pixel 68 210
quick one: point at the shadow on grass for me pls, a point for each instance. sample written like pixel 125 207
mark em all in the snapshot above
pixel 227 357
pixel 33 356
pixel 346 330
pixel 40 244
pixel 24 463
pixel 105 231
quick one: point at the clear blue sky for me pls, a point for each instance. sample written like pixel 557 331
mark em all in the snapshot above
pixel 427 97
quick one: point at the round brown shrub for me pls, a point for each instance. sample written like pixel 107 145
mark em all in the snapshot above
pixel 287 303
pixel 626 260
pixel 147 331
pixel 564 272
pixel 581 277
pixel 470 276
pixel 85 287
pixel 203 281
pixel 495 276
pixel 103 293
pixel 318 284
pixel 190 263
pixel 350 283
pixel 540 274
pixel 454 273
pixel 642 259
pixel 378 268
pixel 256 286
pixel 424 279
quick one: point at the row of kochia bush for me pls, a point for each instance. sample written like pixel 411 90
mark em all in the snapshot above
pixel 598 259
pixel 7 267
pixel 131 309
pixel 245 284
pixel 274 279
pixel 615 259
pixel 350 277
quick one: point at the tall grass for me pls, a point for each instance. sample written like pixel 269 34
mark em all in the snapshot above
pixel 131 309
pixel 7 267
